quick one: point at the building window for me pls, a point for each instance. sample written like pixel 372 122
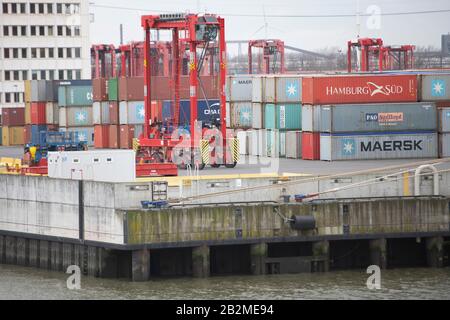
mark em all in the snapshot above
pixel 6 53
pixel 42 53
pixel 50 30
pixel 15 53
pixel 43 75
pixel 23 31
pixel 5 31
pixel 50 52
pixel 67 8
pixel 34 75
pixel 14 31
pixel 69 75
pixel 49 8
pixel 77 31
pixel 77 52
pixel 41 30
pixel 33 53
pixel 7 76
pixel 68 31
pixel 78 74
pixel 16 96
pixel 16 75
pixel 60 30
pixel 7 97
pixel 61 74
pixel 5 8
pixel 24 75
pixel 69 53
pixel 32 8
pixel 59 8
pixel 24 53
pixel 13 7
pixel 41 8
pixel 51 75
pixel 60 53
pixel 33 30
pixel 22 8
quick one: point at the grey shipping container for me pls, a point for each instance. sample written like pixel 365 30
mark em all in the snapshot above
pixel 311 118
pixel 131 112
pixel 263 89
pixel 74 96
pixel 52 113
pixel 257 115
pixel 241 115
pixel 435 87
pixel 38 90
pixel 239 88
pixel 444 120
pixel 76 117
pixel 444 145
pixel 378 117
pixel 84 133
pixel 288 89
pixel 100 112
pixel 294 144
pixel 256 142
pixel 401 145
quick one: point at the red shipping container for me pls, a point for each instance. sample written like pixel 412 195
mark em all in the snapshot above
pixel 113 112
pixel 114 137
pixel 100 89
pixel 126 136
pixel 38 113
pixel 101 136
pixel 13 117
pixel 311 145
pixel 359 89
pixel 27 134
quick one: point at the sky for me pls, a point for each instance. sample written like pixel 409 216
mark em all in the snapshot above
pixel 308 27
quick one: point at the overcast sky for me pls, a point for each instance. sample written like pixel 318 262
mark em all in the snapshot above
pixel 309 33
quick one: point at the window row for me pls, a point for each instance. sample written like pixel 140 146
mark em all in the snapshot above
pixel 64 31
pixel 21 75
pixel 42 53
pixel 12 97
pixel 40 8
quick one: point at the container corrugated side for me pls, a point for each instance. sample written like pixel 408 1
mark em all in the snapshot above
pixel 257 115
pixel 85 134
pixel 375 146
pixel 131 112
pixel 294 144
pixel 242 136
pixel 435 87
pixel 79 116
pixel 444 145
pixel 311 118
pixel 240 88
pixel 241 115
pixel 288 89
pixel 378 117
pixel 256 142
pixel 283 116
pixel 444 120
pixel 74 96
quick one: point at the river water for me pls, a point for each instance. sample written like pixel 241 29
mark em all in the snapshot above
pixel 28 283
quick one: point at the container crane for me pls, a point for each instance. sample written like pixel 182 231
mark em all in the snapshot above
pixel 271 50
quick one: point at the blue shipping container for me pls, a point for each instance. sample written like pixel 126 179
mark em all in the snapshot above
pixel 204 114
pixel 36 133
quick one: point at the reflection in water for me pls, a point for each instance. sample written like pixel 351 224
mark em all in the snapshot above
pixel 29 283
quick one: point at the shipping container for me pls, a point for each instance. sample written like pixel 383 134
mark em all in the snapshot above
pixel 74 96
pixel 52 113
pixel 435 87
pixel 138 130
pixel 114 138
pixel 359 89
pixel 257 142
pixel 228 118
pixel 257 115
pixel 13 117
pixel 101 136
pixel 131 112
pixel 38 113
pixel 126 136
pixel 27 134
pixel 239 88
pixel 38 90
pixel 241 115
pixel 386 145
pixel 444 145
pixel 85 134
pixel 294 144
pixel 275 143
pixel 12 136
pixel 36 130
pixel 1 136
pixel 76 117
pixel 27 93
pixel 444 120
pixel 378 117
pixel 283 116
pixel 311 118
pixel 100 89
pixel 207 111
pixel 113 89
pixel 113 112
pixel 263 89
pixel 310 145
pixel 100 112
pixel 288 89
pixel 27 113
pixel 244 143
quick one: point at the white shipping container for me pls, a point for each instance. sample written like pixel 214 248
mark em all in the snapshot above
pixel 239 88
pixel 241 116
pixel 378 146
pixel 242 136
pixel 263 89
pixel 62 117
pixel 256 143
pixel 311 118
pixel 294 144
pixel 257 115
pixel 93 165
pixel 52 113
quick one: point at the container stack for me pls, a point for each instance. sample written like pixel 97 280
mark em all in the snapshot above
pixel 13 123
pixel 75 109
pixel 100 114
pixel 41 109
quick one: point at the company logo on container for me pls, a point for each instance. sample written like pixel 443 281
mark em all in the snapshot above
pixel 292 89
pixel 82 136
pixel 438 88
pixel 348 147
pixel 81 117
pixel 140 112
pixel 371 89
pixel 385 117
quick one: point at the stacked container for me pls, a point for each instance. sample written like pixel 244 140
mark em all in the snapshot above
pixel 75 109
pixel 13 122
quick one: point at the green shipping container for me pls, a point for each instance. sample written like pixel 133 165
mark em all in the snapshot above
pixel 74 96
pixel 283 116
pixel 113 88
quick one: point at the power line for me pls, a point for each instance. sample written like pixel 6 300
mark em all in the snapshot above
pixel 283 15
